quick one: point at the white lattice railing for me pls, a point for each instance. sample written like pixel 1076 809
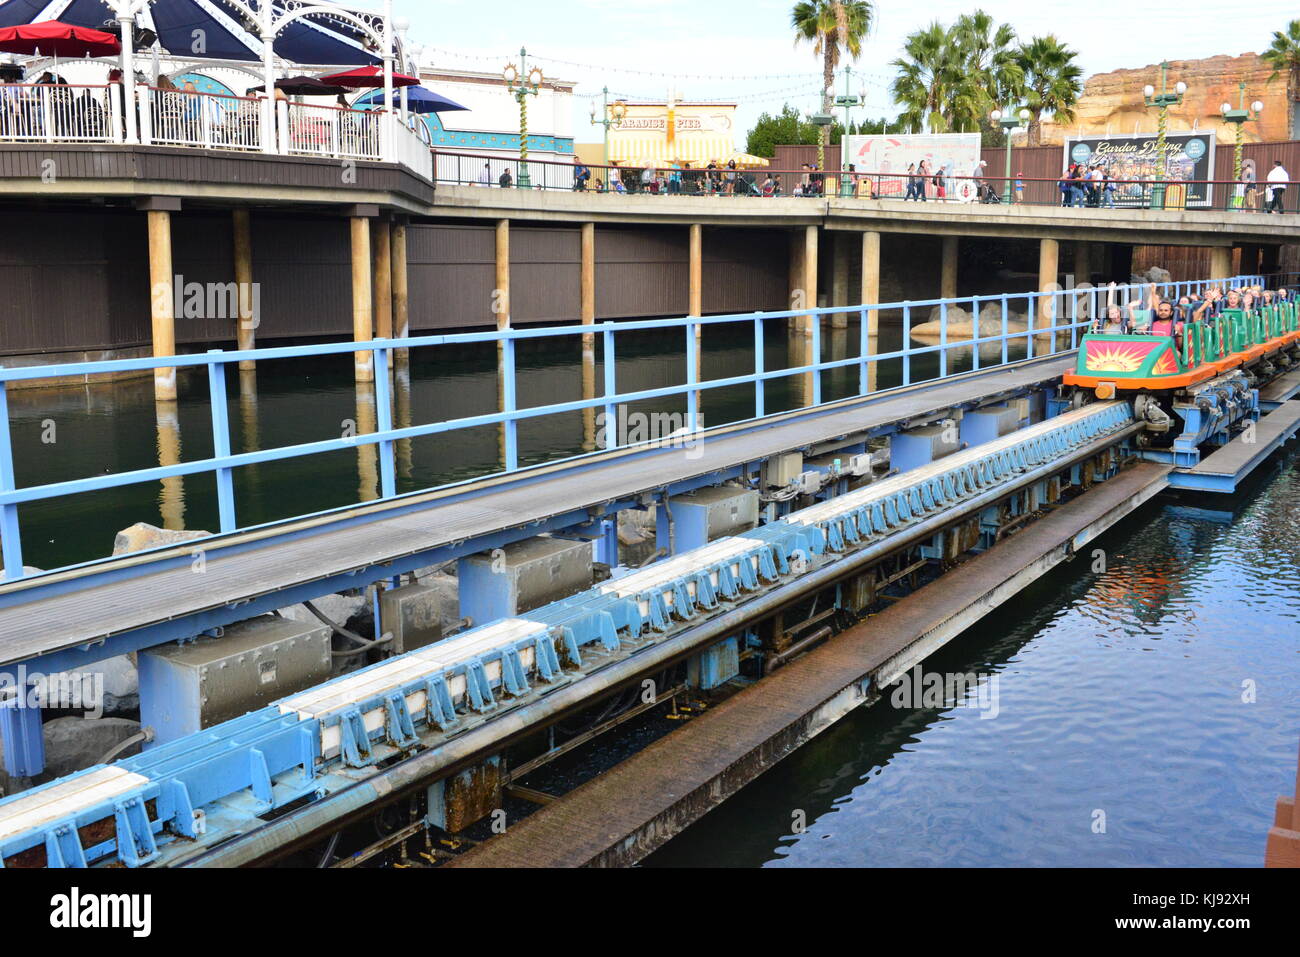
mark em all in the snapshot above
pixel 58 113
pixel 43 113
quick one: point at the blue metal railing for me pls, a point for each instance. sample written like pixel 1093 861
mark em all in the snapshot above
pixel 1039 305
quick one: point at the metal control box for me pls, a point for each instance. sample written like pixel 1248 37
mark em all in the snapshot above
pixel 708 513
pixel 780 470
pixel 522 576
pixel 413 613
pixel 908 450
pixel 185 688
pixel 985 425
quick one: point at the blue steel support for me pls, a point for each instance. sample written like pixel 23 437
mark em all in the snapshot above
pixel 10 536
pixel 384 418
pixel 607 543
pixel 759 368
pixel 907 337
pixel 20 730
pixel 975 334
pixel 221 443
pixel 943 340
pixel 508 404
pixel 864 350
pixel 611 390
pixel 815 351
pixel 692 376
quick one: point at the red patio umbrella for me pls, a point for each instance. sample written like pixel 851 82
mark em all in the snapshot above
pixel 52 38
pixel 368 76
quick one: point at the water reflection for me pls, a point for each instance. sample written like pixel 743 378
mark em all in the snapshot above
pixel 171 497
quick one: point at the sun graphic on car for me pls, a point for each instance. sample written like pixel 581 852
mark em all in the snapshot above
pixel 1116 358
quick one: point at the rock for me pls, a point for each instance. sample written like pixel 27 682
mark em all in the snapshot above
pixel 1111 103
pixel 338 608
pixel 142 536
pixel 1154 274
pixel 73 744
pixel 111 686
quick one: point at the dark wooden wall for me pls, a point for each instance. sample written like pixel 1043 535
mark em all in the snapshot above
pixel 77 279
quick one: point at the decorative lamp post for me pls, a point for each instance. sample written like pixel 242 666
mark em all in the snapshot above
pixel 1009 121
pixel 611 115
pixel 820 120
pixel 1237 117
pixel 847 101
pixel 1162 101
pixel 521 83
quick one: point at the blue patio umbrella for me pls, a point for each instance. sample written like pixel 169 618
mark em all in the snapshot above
pixel 419 99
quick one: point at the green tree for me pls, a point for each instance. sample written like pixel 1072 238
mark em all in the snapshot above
pixel 833 27
pixel 1053 82
pixel 1283 55
pixel 787 128
pixel 949 78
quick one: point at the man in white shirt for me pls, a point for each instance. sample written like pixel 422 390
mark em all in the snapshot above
pixel 485 177
pixel 1278 178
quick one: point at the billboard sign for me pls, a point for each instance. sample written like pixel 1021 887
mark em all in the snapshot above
pixel 947 155
pixel 1187 157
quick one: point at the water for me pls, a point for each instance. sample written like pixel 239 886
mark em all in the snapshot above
pixel 71 433
pixel 1127 693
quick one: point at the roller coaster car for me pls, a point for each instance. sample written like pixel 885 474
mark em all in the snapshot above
pixel 1194 352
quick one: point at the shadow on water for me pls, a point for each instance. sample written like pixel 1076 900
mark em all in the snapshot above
pixel 1145 715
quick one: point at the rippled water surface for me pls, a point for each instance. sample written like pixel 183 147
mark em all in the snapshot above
pixel 1163 693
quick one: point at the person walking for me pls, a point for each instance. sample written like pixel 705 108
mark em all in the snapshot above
pixel 1278 179
pixel 485 175
pixel 1250 189
pixel 922 177
pixel 911 182
pixel 506 180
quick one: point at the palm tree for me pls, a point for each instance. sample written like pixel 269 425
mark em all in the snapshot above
pixel 1052 80
pixel 989 57
pixel 1283 55
pixel 926 77
pixel 832 27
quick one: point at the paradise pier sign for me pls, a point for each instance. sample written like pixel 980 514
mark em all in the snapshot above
pixel 1188 158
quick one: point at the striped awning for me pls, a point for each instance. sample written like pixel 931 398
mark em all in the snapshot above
pixel 696 150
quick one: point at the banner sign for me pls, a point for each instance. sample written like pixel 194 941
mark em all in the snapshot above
pixel 1188 156
pixel 947 155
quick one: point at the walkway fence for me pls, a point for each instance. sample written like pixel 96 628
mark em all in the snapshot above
pixel 483 169
pixel 1054 322
pixel 57 113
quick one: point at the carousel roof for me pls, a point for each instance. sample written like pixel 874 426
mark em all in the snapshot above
pixel 318 40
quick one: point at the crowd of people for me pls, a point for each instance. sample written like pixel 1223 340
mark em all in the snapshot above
pixel 1091 185
pixel 1154 314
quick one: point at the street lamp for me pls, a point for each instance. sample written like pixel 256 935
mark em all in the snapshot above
pixel 521 83
pixel 611 115
pixel 846 101
pixel 1237 117
pixel 1009 121
pixel 1162 101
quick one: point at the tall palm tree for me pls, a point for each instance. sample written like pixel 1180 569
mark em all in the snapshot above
pixel 988 52
pixel 1283 55
pixel 833 27
pixel 1053 82
pixel 926 77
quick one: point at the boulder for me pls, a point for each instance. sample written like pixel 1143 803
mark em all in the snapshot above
pixel 73 744
pixel 337 608
pixel 142 536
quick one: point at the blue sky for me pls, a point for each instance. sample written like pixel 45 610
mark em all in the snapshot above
pixel 681 42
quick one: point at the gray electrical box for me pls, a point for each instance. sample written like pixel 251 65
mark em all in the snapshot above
pixel 512 580
pixel 708 513
pixel 413 613
pixel 185 688
pixel 780 470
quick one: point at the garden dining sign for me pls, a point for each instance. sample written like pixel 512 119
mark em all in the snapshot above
pixel 1188 158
